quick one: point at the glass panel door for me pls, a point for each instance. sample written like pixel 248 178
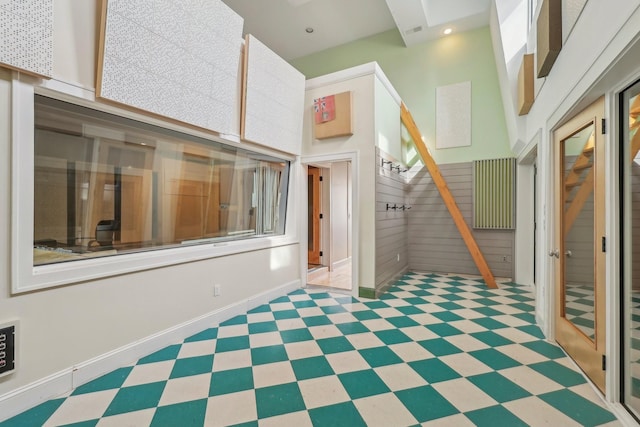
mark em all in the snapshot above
pixel 579 228
pixel 630 138
pixel 578 225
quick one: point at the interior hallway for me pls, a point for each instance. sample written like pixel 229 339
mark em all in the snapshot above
pixel 339 278
pixel 436 350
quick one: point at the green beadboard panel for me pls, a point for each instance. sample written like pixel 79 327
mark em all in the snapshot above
pixel 417 71
pixel 493 193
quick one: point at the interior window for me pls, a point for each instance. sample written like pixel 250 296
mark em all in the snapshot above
pixel 106 185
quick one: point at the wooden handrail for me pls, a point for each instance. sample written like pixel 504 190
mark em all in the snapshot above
pixel 447 197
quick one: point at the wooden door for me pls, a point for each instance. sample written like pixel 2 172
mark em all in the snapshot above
pixel 579 234
pixel 313 175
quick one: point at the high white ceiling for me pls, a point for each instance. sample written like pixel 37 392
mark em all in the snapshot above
pixel 282 24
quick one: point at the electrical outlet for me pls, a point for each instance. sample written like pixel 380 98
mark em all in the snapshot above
pixel 7 348
pixel 216 290
pixel 504 258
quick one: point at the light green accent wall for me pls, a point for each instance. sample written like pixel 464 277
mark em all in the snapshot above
pixel 417 71
pixel 387 112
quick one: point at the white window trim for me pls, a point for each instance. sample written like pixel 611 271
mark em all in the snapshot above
pixel 25 277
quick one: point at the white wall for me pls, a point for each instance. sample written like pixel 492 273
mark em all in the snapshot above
pixel 66 326
pixel 591 63
pixel 361 142
pixel 75 38
pixel 525 222
pixel 599 57
pixel 601 34
pixel 340 233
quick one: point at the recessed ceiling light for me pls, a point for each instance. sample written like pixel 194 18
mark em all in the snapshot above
pixel 309 30
pixel 447 31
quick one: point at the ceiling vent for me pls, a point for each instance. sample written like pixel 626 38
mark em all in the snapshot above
pixel 414 30
pixel 296 3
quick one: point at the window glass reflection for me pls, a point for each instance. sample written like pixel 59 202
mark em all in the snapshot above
pixel 105 185
pixel 631 241
pixel 578 225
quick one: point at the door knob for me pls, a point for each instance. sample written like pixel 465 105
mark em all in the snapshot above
pixel 568 254
pixel 555 253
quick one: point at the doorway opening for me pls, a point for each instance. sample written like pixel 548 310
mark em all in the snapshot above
pixel 314 216
pixel 329 227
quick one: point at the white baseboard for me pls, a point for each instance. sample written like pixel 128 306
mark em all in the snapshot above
pixel 33 394
pixel 340 263
pixel 24 398
pixel 622 414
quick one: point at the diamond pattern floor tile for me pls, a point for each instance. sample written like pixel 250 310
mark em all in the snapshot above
pixel 435 350
pixel 136 418
pixel 85 407
pixel 346 412
pixel 185 389
pixel 425 403
pixel 135 398
pixel 231 409
pixel 146 373
pixel 464 395
pixel 322 391
pixel 279 399
pixel 187 414
pixel 384 410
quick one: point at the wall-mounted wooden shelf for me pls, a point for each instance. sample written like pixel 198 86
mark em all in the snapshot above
pixel 526 95
pixel 549 35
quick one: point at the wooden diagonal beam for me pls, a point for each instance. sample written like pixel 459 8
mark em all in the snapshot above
pixel 585 190
pixel 586 187
pixel 447 197
pixel 634 110
pixel 635 144
pixel 582 162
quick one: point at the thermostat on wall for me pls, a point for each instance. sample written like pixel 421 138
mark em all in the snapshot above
pixel 8 344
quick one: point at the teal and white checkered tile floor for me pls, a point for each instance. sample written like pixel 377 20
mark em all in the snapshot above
pixel 580 307
pixel 436 350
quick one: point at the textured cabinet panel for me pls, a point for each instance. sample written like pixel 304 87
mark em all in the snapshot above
pixel 526 95
pixel 273 105
pixel 180 60
pixel 26 36
pixel 571 10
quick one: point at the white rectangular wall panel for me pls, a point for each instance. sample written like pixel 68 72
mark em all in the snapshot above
pixel 453 115
pixel 177 59
pixel 26 35
pixel 571 10
pixel 274 99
